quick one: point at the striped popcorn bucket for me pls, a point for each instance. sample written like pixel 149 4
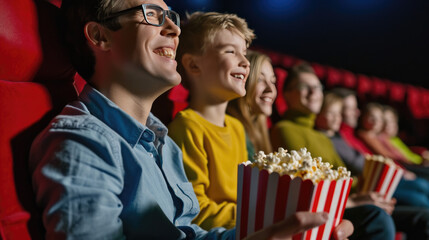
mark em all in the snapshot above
pixel 265 198
pixel 380 177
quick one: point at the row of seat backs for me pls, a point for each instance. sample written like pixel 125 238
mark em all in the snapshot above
pixel 36 81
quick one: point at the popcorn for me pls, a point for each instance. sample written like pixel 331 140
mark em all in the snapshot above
pixel 298 164
pixel 276 185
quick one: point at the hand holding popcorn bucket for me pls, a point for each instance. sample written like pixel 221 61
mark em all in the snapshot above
pixel 380 175
pixel 277 185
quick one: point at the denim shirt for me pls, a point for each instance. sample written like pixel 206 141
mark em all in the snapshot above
pixel 100 174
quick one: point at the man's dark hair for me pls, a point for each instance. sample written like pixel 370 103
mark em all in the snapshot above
pixel 293 75
pixel 76 13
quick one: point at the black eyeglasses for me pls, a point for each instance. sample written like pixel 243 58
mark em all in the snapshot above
pixel 153 14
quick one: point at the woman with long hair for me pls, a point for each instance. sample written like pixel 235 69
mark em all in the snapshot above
pixel 254 108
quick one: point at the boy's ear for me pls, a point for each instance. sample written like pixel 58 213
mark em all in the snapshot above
pixel 189 63
pixel 97 35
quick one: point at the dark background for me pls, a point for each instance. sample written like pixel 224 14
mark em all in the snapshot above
pixel 382 38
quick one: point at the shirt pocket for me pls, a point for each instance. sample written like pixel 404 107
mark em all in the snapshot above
pixel 190 202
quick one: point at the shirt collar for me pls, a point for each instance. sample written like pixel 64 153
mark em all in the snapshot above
pixel 303 119
pixel 118 120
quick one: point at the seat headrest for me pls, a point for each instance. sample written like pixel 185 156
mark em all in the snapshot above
pixel 56 65
pixel 20 49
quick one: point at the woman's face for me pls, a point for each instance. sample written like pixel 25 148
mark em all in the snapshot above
pixel 390 123
pixel 265 90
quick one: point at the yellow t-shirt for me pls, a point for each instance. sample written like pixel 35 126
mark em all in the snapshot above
pixel 211 155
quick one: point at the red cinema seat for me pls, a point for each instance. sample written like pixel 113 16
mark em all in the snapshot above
pixel 425 102
pixel 320 70
pixel 349 80
pixel 276 58
pixel 364 86
pixel 379 87
pixel 333 77
pixel 414 100
pixel 397 92
pixel 35 83
pixel 288 61
pixel 280 102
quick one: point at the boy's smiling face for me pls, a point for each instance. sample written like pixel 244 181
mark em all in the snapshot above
pixel 223 66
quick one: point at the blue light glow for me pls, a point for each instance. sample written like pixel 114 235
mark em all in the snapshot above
pixel 200 3
pixel 281 7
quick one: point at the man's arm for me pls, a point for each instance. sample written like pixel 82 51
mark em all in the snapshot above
pixel 77 181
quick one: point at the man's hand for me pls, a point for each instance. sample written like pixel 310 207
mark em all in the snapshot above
pixel 300 222
pixel 373 198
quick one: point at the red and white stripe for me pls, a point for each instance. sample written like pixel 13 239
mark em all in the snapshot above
pixel 264 199
pixel 381 177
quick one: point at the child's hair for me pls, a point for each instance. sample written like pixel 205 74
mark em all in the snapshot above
pixel 293 75
pixel 200 29
pixel 343 92
pixel 329 99
pixel 76 13
pixel 387 108
pixel 241 108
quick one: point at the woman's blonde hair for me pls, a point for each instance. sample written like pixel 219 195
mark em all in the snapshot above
pixel 241 108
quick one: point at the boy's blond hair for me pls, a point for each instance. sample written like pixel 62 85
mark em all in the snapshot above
pixel 330 99
pixel 200 29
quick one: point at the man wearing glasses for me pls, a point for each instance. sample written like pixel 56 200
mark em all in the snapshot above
pixel 105 168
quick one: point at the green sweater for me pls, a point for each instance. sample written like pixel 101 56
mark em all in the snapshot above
pixel 296 131
pixel 410 155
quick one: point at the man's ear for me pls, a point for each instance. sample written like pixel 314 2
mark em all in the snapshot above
pixel 190 63
pixel 97 35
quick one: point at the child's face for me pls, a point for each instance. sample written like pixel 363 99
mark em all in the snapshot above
pixel 265 90
pixel 330 118
pixel 373 120
pixel 223 66
pixel 390 124
pixel 350 111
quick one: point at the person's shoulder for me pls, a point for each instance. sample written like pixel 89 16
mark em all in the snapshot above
pixel 75 120
pixel 286 125
pixel 234 124
pixel 322 136
pixel 186 120
pixel 184 116
pixel 362 133
pixel 187 117
pixel 233 121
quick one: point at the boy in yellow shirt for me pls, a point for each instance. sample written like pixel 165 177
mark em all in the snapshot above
pixel 214 68
pixel 212 62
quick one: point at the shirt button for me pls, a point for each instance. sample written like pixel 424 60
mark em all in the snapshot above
pixel 150 155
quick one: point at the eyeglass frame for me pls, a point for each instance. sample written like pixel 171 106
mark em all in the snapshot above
pixel 305 87
pixel 143 8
